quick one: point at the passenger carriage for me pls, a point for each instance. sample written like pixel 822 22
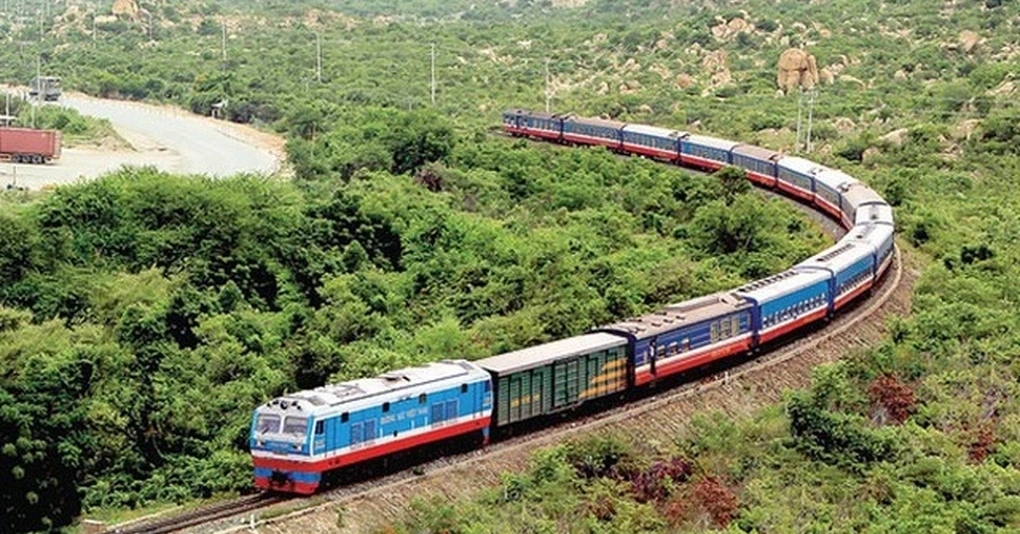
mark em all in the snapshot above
pixel 850 265
pixel 880 237
pixel 298 437
pixel 705 152
pixel 796 176
pixel 760 163
pixel 586 131
pixel 829 187
pixel 534 124
pixel 686 335
pixel 786 302
pixel 652 141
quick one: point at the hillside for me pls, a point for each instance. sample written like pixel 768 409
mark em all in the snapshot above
pixel 153 312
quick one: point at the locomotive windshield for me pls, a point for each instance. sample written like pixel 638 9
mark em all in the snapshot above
pixel 268 423
pixel 295 426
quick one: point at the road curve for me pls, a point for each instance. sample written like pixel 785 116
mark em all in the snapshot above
pixel 167 138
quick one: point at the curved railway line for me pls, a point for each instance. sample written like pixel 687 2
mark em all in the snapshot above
pixel 750 383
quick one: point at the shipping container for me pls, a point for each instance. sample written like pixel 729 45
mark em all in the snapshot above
pixel 556 376
pixel 25 145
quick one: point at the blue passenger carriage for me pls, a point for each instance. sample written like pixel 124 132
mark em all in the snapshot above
pixel 787 301
pixel 760 163
pixel 298 437
pixel 687 335
pixel 659 143
pixel 533 123
pixel 585 131
pixel 796 176
pixel 829 187
pixel 879 236
pixel 850 265
pixel 705 152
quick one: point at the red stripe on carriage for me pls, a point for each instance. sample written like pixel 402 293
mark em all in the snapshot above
pixel 698 161
pixel 796 191
pixel 647 151
pixel 762 179
pixel 845 299
pixel 793 325
pixel 683 362
pixel 829 207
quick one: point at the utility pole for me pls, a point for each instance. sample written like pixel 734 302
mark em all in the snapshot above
pixel 433 84
pixel 318 57
pixel 39 86
pixel 548 88
pixel 800 103
pixel 811 105
pixel 223 45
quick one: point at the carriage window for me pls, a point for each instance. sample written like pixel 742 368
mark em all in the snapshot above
pixel 422 398
pixel 673 348
pixel 344 417
pixel 295 426
pixel 268 423
pixel 463 388
pixel 385 407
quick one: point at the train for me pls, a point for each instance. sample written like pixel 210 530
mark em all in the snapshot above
pixel 299 437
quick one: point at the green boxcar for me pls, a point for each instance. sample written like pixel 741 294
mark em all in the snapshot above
pixel 556 376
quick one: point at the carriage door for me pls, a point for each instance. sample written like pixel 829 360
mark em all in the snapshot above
pixel 652 352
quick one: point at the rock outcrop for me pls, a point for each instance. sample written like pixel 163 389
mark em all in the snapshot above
pixel 125 8
pixel 796 69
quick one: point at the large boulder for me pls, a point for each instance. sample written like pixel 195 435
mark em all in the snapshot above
pixel 796 69
pixel 125 8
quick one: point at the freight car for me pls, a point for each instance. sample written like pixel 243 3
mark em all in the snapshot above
pixel 25 145
pixel 298 437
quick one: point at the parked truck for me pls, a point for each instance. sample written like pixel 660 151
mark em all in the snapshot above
pixel 46 87
pixel 25 145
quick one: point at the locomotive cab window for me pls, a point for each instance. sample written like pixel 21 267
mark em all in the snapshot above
pixel 320 428
pixel 295 426
pixel 268 423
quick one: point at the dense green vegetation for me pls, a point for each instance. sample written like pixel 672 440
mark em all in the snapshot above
pixel 145 315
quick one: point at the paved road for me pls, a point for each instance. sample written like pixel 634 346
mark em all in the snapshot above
pixel 169 139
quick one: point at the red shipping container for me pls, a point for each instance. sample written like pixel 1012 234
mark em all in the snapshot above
pixel 29 146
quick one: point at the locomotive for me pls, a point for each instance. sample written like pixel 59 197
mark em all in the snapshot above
pixel 297 438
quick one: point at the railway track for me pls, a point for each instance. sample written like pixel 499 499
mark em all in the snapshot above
pixel 361 506
pixel 199 516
